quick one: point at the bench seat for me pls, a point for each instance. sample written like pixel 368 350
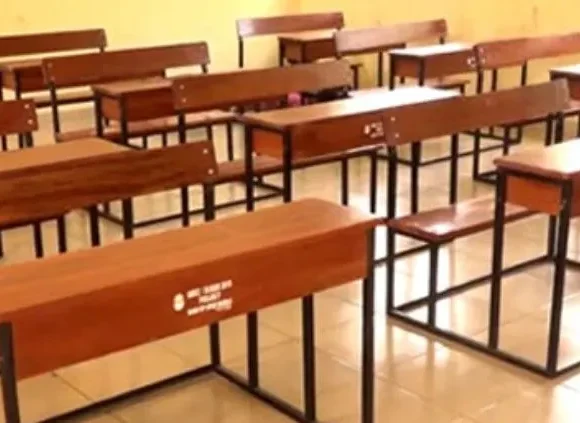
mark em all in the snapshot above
pixel 72 97
pixel 151 127
pixel 235 170
pixel 447 223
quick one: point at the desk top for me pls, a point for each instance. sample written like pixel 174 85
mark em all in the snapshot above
pixel 120 88
pixel 365 101
pixel 30 158
pixel 571 70
pixel 11 66
pixel 138 259
pixel 308 36
pixel 432 50
pixel 555 162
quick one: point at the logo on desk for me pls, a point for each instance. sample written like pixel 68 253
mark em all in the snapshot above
pixel 208 298
pixel 374 130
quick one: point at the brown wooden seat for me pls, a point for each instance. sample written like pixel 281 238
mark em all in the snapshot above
pixel 447 223
pixel 449 83
pixel 73 97
pixel 150 63
pixel 150 127
pixel 235 170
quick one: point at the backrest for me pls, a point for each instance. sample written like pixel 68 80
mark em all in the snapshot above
pixel 517 51
pixel 25 44
pixel 365 40
pixel 465 113
pixel 87 69
pixel 83 180
pixel 203 92
pixel 251 27
pixel 17 117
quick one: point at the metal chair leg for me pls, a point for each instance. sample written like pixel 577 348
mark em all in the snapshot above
pixel 61 234
pixel 344 178
pixel 38 244
pixel 433 273
pixel 373 181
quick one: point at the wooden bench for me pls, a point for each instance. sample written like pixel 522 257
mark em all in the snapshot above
pixel 25 75
pixel 18 117
pixel 440 226
pixel 133 64
pixel 382 39
pixel 197 279
pixel 203 92
pixel 306 37
pixel 518 52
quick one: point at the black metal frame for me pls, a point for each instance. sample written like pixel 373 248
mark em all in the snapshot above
pixel 556 253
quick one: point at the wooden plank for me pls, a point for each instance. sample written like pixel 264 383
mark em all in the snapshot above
pixel 87 69
pixel 250 27
pixel 161 285
pixel 48 181
pixel 366 40
pixel 204 92
pixel 463 113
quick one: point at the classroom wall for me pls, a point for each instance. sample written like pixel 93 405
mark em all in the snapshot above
pixel 469 20
pixel 147 22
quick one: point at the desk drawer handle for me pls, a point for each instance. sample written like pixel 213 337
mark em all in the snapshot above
pixel 374 130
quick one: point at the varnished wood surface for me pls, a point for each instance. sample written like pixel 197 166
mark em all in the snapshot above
pixel 289 23
pixel 17 117
pixel 558 162
pixel 26 44
pixel 446 223
pixel 386 37
pixel 374 101
pixel 463 113
pixel 120 88
pixel 47 181
pixel 517 51
pixel 87 69
pixel 202 92
pixel 90 303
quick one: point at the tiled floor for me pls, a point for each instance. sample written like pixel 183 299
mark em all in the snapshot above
pixel 418 378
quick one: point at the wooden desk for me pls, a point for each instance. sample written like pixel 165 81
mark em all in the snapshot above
pixel 572 75
pixel 305 47
pixel 326 128
pixel 200 276
pixel 433 61
pixel 149 99
pixel 22 76
pixel 26 76
pixel 548 181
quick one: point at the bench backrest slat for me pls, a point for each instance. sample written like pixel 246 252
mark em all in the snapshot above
pixel 518 51
pixel 382 38
pixel 37 192
pixel 251 27
pixel 17 117
pixel 51 42
pixel 95 68
pixel 203 92
pixel 467 113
